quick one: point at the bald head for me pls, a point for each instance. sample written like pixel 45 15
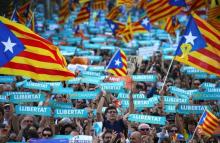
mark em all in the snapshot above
pixel 135 137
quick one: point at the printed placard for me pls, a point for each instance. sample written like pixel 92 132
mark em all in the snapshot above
pixel 3 98
pixel 61 90
pixel 137 103
pixel 206 96
pixel 62 105
pixel 115 87
pixel 8 93
pixel 36 85
pixel 20 98
pixel 74 80
pixel 170 108
pixel 71 113
pixel 85 94
pixel 147 119
pixel 7 79
pixel 144 78
pixel 174 100
pixel 33 110
pixel 191 109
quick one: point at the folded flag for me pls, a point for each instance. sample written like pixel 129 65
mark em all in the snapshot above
pixel 24 53
pixel 200 46
pixel 118 64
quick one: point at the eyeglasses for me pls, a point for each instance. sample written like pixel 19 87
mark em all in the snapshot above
pixel 146 129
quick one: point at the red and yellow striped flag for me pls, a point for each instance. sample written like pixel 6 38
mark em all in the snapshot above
pixel 30 55
pixel 114 13
pixel 200 46
pixel 208 123
pixel 126 33
pixel 214 14
pixel 160 9
pixel 64 12
pixel 99 5
pixel 127 3
pixel 172 24
pixel 118 64
pixel 83 14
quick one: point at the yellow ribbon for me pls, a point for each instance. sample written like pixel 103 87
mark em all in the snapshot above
pixel 185 48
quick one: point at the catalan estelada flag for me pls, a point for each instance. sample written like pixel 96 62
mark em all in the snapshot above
pixel 83 14
pixel 141 26
pixel 214 14
pixel 126 33
pixel 199 47
pixel 24 53
pixel 127 3
pixel 33 25
pixel 99 5
pixel 114 13
pixel 160 9
pixel 172 24
pixel 64 12
pixel 208 123
pixel 118 64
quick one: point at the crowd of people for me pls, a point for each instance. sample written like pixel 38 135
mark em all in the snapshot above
pixel 115 126
pixel 107 120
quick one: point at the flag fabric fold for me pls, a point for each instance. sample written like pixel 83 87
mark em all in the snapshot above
pixel 118 64
pixel 25 53
pixel 200 46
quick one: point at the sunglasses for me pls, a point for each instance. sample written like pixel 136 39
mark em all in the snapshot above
pixel 146 129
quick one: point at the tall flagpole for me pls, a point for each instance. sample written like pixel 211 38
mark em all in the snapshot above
pixel 164 82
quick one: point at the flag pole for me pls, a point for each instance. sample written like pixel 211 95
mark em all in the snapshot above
pixel 196 127
pixel 29 22
pixel 167 75
pixel 13 13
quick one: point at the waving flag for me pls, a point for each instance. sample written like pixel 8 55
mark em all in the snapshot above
pixel 172 25
pixel 115 25
pixel 99 4
pixel 177 3
pixel 208 123
pixel 214 14
pixel 114 13
pixel 200 46
pixel 118 64
pixel 126 33
pixel 25 53
pixel 83 14
pixel 141 26
pixel 64 12
pixel 127 3
pixel 160 9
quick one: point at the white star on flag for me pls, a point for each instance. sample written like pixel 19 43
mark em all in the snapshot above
pixel 145 21
pixel 117 62
pixel 112 26
pixel 9 45
pixel 190 38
